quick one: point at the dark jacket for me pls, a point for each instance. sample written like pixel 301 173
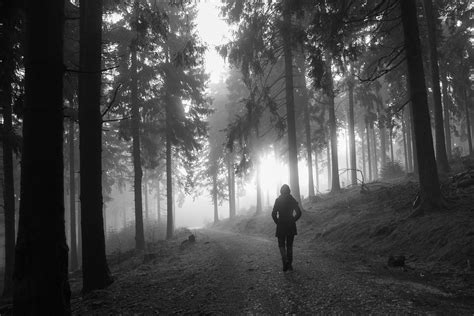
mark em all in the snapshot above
pixel 284 206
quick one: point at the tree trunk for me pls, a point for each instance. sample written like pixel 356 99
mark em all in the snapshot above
pixel 95 271
pixel 8 180
pixel 214 197
pixel 7 73
pixel 441 157
pixel 259 188
pixel 468 120
pixel 41 255
pixel 316 165
pixel 346 143
pixel 410 143
pixel 145 193
pixel 413 139
pixel 231 185
pixel 364 170
pixel 383 137
pixel 307 121
pixel 352 146
pixel 137 164
pixel 169 182
pixel 328 152
pixel 405 154
pixel 369 156
pixel 158 199
pixel 428 173
pixel 447 119
pixel 335 186
pixel 72 197
pixel 390 137
pixel 374 143
pixel 290 104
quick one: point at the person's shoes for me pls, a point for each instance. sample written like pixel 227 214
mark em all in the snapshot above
pixel 289 267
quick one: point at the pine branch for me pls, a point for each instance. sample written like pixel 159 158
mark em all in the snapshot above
pixel 113 99
pixel 90 72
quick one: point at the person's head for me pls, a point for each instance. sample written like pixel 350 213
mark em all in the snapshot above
pixel 285 189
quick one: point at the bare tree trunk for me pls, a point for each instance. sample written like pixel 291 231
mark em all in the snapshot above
pixel 428 173
pixel 441 157
pixel 383 137
pixel 410 144
pixel 447 119
pixel 169 182
pixel 231 185
pixel 364 170
pixel 413 139
pixel 95 271
pixel 328 148
pixel 306 120
pixel 259 187
pixel 468 120
pixel 8 181
pixel 137 164
pixel 41 255
pixel 158 199
pixel 335 186
pixel 352 133
pixel 316 165
pixel 390 136
pixel 7 17
pixel 145 188
pixel 374 142
pixel 214 197
pixel 72 197
pixel 290 103
pixel 405 154
pixel 369 156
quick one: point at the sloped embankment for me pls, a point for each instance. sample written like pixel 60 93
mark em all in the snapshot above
pixel 378 223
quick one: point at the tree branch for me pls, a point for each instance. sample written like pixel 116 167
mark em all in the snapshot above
pixel 113 99
pixel 90 72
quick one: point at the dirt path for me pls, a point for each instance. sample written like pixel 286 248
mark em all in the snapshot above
pixel 228 273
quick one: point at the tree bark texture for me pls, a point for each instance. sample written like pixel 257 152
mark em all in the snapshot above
pixel 158 200
pixel 352 147
pixel 307 121
pixel 6 80
pixel 335 186
pixel 72 198
pixel 369 156
pixel 214 197
pixel 441 157
pixel 290 103
pixel 137 164
pixel 169 180
pixel 468 120
pixel 259 187
pixel 41 285
pixel 427 170
pixel 231 185
pixel 95 271
pixel 447 117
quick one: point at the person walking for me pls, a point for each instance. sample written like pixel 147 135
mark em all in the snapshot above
pixel 286 212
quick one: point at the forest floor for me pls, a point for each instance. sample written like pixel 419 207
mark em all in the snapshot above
pixel 341 255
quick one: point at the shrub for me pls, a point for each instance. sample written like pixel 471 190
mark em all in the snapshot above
pixel 391 170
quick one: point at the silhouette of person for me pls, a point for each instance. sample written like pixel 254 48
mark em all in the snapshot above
pixel 285 219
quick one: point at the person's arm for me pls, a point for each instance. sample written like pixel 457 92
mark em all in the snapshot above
pixel 274 213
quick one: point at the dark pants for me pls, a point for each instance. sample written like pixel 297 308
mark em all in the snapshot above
pixel 288 240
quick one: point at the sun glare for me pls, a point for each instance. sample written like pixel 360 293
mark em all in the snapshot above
pixel 273 173
pixel 213 31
